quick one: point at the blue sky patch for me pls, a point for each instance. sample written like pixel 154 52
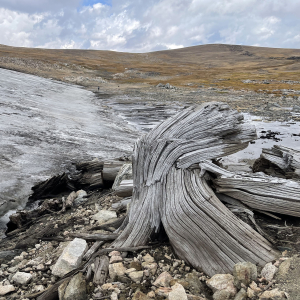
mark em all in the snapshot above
pixel 92 2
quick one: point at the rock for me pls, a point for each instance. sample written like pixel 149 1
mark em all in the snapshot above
pixel 61 289
pixel 163 280
pixel 104 215
pixel 136 276
pixel 195 284
pixel 138 295
pixel 250 293
pixel 273 294
pixel 244 272
pixel 114 296
pixel 22 277
pixel 152 267
pixel 115 270
pixel 5 289
pixel 255 288
pixel 6 256
pixel 184 283
pixel 177 293
pixel 284 268
pixel 136 265
pixel 80 197
pixel 81 193
pixel 241 295
pixel 115 259
pixel 107 286
pixel 148 258
pixel 193 297
pixel 160 85
pixel 114 253
pixel 163 291
pixel 38 288
pixel 70 258
pixel 222 282
pixel 151 294
pixel 167 86
pixel 130 270
pixel 12 269
pixel 269 271
pixel 76 289
pixel 222 295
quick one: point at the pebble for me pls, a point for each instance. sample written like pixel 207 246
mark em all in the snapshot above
pixel 163 280
pixel 5 289
pixel 269 271
pixel 22 278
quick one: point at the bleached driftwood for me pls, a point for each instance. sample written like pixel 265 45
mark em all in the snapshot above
pixel 286 159
pixel 168 192
pixel 101 270
pixel 262 192
pixel 111 169
pixel 123 183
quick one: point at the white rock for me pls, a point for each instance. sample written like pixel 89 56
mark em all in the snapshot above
pixel 70 258
pixel 273 294
pixel 5 289
pixel 115 270
pixel 178 292
pixel 115 259
pixel 80 197
pixel 104 215
pixel 114 296
pixel 269 271
pixel 114 253
pixel 136 276
pixel 148 258
pixel 163 280
pixel 222 282
pixel 152 267
pixel 22 277
pixel 13 269
pixel 38 288
pixel 128 271
pixel 81 193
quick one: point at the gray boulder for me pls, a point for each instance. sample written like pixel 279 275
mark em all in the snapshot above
pixel 70 258
pixel 75 290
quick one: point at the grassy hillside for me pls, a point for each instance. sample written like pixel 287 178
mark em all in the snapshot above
pixel 208 65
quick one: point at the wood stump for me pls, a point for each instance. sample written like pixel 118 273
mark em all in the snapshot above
pixel 169 190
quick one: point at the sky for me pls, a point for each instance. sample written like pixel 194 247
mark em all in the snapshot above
pixel 148 25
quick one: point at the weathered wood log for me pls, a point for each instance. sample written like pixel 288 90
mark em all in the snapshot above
pixel 95 236
pixel 168 193
pixel 101 270
pixel 258 191
pixel 262 192
pixel 50 187
pixel 111 169
pixel 286 159
pixel 110 225
pixel 123 184
pixel 92 250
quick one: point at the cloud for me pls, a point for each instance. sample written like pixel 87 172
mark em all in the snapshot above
pixel 142 26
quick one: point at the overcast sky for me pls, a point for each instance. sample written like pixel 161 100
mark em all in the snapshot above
pixel 148 25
